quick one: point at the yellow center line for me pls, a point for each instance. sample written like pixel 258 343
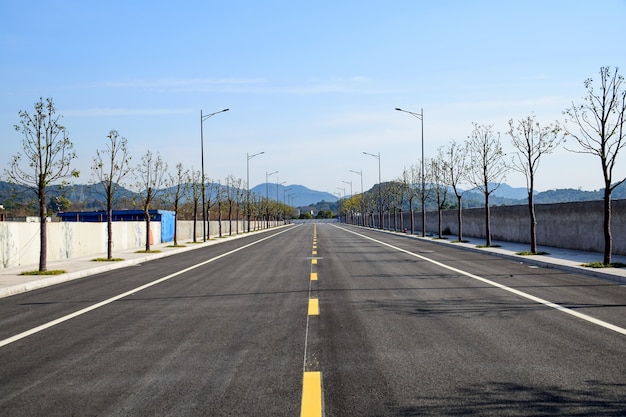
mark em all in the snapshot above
pixel 312 380
pixel 314 307
pixel 311 395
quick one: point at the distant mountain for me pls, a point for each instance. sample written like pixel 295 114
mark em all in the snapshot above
pixel 299 195
pixel 90 197
pixel 506 191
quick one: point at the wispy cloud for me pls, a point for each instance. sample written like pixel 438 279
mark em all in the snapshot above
pixel 329 85
pixel 182 82
pixel 98 112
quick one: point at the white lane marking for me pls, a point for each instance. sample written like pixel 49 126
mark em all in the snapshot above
pixel 503 287
pixel 127 293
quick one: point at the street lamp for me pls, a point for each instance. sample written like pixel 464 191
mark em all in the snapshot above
pixel 248 158
pixel 380 214
pixel 342 203
pixel 202 119
pixel 420 116
pixel 267 197
pixel 349 182
pixel 360 173
pixel 277 200
pixel 287 215
pixel 277 185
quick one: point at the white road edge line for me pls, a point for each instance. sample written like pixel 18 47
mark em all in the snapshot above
pixel 503 287
pixel 127 293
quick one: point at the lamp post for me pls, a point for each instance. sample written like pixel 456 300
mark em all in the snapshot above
pixel 248 158
pixel 277 200
pixel 202 119
pixel 341 203
pixel 360 173
pixel 287 215
pixel 420 116
pixel 349 205
pixel 267 197
pixel 348 182
pixel 380 214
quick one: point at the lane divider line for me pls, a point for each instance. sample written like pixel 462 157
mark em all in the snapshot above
pixel 127 293
pixel 501 286
pixel 314 307
pixel 312 402
pixel 311 395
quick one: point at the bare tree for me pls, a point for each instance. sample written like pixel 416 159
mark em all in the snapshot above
pixel 178 187
pixel 109 167
pixel 395 200
pixel 600 131
pixel 150 180
pixel 240 198
pixel 219 197
pixel 233 186
pixel 487 168
pixel 411 178
pixel 439 185
pixel 47 157
pixel 212 191
pixel 196 193
pixel 418 179
pixel 532 141
pixel 456 164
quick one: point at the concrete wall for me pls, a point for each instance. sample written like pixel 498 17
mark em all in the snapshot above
pixel 19 241
pixel 566 225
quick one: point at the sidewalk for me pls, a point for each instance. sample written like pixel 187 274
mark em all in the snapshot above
pixel 568 260
pixel 564 259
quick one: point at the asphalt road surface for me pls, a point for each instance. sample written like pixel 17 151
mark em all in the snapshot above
pixel 318 319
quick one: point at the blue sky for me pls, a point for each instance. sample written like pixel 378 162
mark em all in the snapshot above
pixel 311 84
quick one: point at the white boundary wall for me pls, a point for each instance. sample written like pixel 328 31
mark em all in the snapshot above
pixel 19 241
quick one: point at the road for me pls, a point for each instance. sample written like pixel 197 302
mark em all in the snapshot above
pixel 312 319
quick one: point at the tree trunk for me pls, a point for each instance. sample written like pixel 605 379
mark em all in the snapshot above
pixel 109 231
pixel 230 218
pixel 533 222
pixel 487 221
pixel 109 195
pixel 440 222
pixel 460 218
pixel 147 215
pixel 395 220
pixel 176 223
pixel 195 219
pixel 412 216
pixel 423 215
pixel 43 236
pixel 608 239
pixel 219 218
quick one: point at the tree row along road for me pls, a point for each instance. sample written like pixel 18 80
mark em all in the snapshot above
pixel 317 319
